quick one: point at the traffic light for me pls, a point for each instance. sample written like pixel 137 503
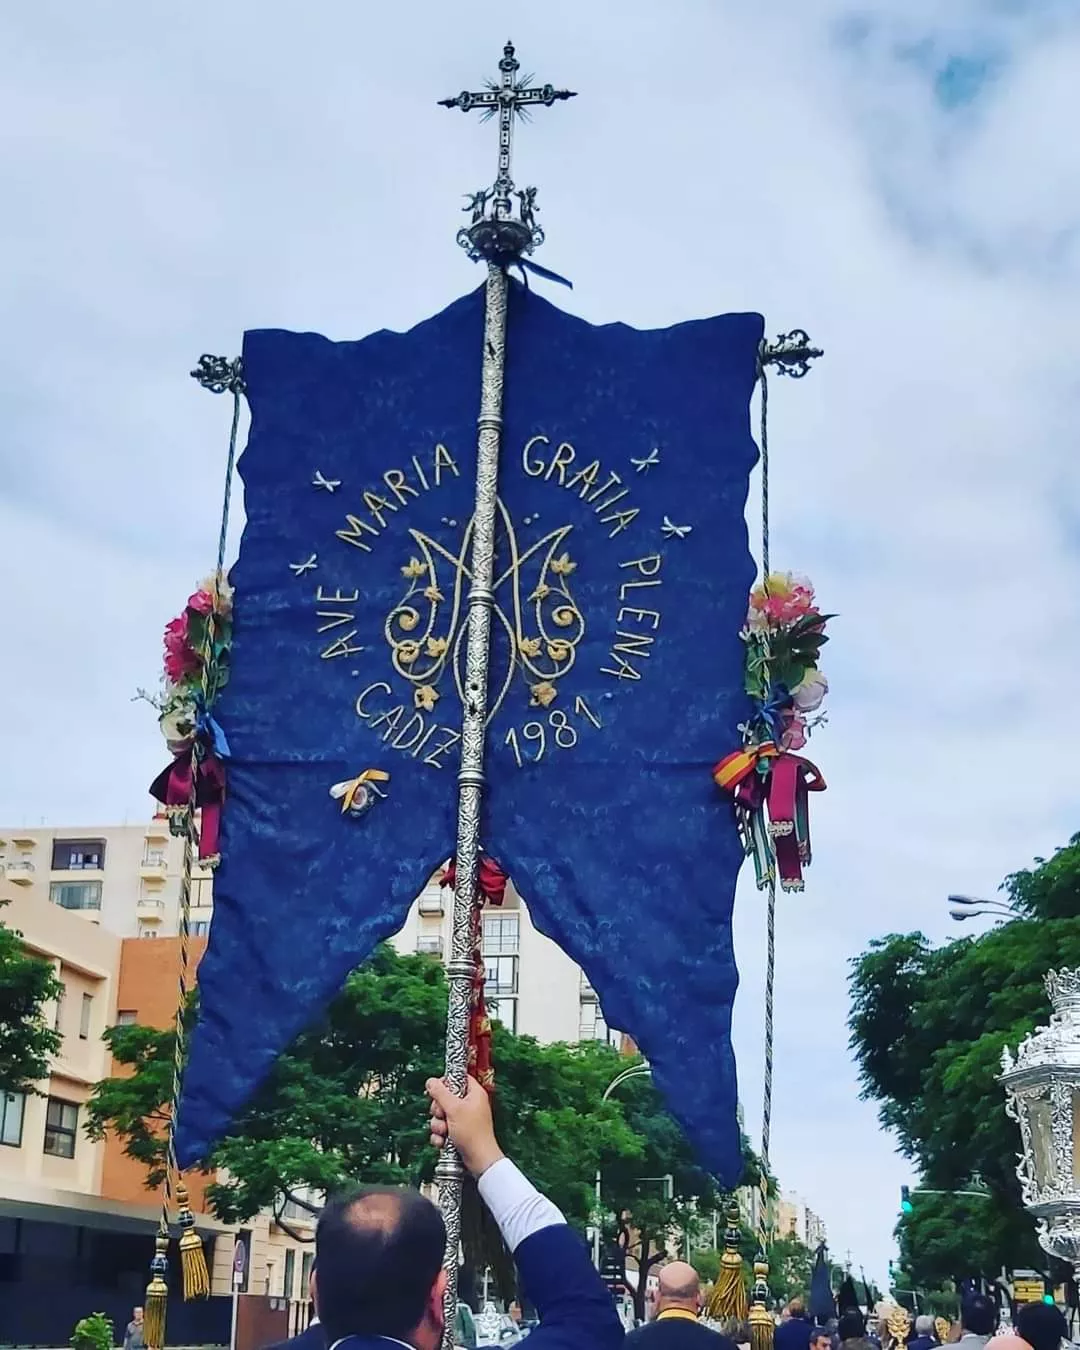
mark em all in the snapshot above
pixel 905 1200
pixel 1048 1298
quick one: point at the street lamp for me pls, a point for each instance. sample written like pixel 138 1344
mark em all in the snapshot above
pixel 1042 1094
pixel 970 906
pixel 624 1076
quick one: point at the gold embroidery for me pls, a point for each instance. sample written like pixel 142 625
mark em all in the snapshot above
pixel 435 642
pixel 543 694
pixel 426 697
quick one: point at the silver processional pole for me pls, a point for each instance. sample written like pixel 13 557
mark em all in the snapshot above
pixel 500 237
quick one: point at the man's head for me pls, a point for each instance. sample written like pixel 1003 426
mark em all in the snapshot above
pixel 820 1339
pixel 924 1325
pixel 378 1267
pixel 978 1315
pixel 679 1288
pixel 1042 1325
pixel 797 1309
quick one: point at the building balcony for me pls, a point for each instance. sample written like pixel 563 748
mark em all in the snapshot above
pixel 150 910
pixel 158 828
pixel 430 946
pixel 154 868
pixel 431 904
pixel 24 841
pixel 20 871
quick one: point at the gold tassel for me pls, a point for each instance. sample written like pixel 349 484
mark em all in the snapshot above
pixel 192 1258
pixel 728 1298
pixel 762 1326
pixel 156 1302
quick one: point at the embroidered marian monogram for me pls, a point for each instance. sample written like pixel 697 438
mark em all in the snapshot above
pixel 431 616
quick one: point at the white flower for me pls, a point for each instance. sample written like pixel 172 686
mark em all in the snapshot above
pixel 810 694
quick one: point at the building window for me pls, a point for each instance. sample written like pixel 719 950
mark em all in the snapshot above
pixel 202 892
pixel 305 1276
pixel 288 1278
pixel 504 1010
pixel 200 928
pixel 126 1019
pixel 58 1016
pixel 431 901
pixel 78 855
pixel 592 1026
pixel 500 975
pixel 76 894
pixel 11 1118
pixel 147 930
pixel 85 1015
pixel 154 857
pixel 501 932
pixel 431 946
pixel 61 1124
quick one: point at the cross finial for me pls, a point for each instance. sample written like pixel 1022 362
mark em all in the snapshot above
pixel 495 232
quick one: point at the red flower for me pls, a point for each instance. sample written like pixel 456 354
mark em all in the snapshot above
pixel 180 660
pixel 202 602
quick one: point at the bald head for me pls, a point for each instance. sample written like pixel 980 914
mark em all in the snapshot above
pixel 680 1287
pixel 378 1262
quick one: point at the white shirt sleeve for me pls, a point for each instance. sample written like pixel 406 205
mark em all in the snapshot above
pixel 515 1204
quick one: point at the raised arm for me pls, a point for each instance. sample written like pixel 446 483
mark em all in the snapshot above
pixel 576 1310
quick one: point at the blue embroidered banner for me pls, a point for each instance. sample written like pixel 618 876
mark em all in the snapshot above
pixel 616 677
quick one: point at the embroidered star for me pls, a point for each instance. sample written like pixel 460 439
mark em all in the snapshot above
pixel 298 569
pixel 321 481
pixel 672 531
pixel 645 463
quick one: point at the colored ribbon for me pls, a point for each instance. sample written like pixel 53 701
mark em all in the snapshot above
pixel 791 779
pixel 490 889
pixel 172 787
pixel 763 780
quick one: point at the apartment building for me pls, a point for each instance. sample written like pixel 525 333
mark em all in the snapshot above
pixel 126 878
pixel 795 1218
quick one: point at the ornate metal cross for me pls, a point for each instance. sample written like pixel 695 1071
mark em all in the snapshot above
pixel 495 235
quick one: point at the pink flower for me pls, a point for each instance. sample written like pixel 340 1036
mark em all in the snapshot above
pixel 202 602
pixel 180 660
pixel 782 598
pixel 794 737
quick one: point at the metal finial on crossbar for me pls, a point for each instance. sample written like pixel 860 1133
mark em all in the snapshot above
pixel 495 233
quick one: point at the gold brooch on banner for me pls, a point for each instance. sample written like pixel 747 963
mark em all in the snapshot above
pixel 358 795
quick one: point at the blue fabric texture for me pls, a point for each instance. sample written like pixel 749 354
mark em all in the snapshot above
pixel 616 678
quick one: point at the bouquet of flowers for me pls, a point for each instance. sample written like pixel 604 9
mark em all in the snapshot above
pixel 784 634
pixel 196 670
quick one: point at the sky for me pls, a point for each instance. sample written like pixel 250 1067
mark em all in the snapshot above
pixel 903 185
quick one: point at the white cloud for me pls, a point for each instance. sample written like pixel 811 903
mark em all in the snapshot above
pixel 179 176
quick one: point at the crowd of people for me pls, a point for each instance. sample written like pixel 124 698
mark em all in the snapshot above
pixel 379 1275
pixel 1037 1326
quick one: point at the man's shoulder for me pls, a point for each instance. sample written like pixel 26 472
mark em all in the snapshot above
pixel 314 1338
pixel 678 1330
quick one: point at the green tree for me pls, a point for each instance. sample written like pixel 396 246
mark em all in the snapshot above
pixel 948 1238
pixel 344 1103
pixel 659 1191
pixel 927 1029
pixel 27 1041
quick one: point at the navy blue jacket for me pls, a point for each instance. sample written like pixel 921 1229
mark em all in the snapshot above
pixel 794 1334
pixel 576 1310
